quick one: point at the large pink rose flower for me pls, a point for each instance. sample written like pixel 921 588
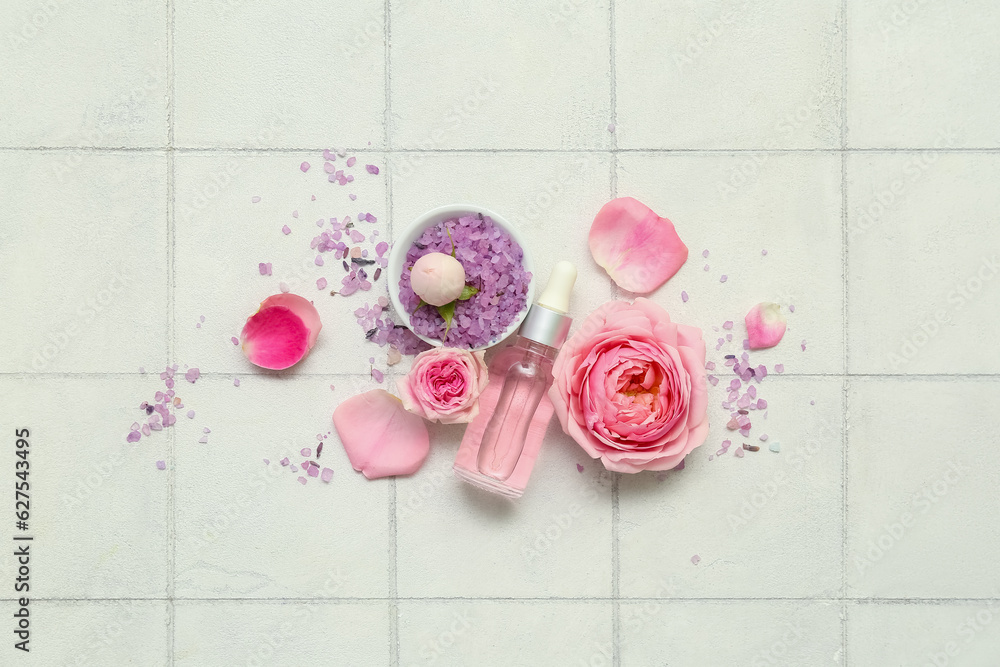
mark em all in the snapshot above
pixel 630 387
pixel 444 385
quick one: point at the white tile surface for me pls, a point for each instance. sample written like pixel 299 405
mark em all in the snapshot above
pixel 728 74
pixel 529 75
pixel 82 75
pixel 280 633
pixel 233 509
pixel 923 283
pixel 735 206
pixel 290 74
pixel 918 526
pixel 454 540
pixel 110 632
pixel 660 632
pixel 766 525
pixel 940 634
pixel 83 247
pixel 916 68
pixel 99 505
pixel 133 138
pixel 491 633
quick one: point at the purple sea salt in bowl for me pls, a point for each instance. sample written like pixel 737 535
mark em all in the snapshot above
pixel 496 262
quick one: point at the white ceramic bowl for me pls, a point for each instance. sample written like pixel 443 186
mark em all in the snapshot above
pixel 404 240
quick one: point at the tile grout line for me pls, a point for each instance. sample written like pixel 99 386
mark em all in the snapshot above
pixel 534 600
pixel 490 151
pixel 616 624
pixel 393 548
pixel 171 342
pixel 844 315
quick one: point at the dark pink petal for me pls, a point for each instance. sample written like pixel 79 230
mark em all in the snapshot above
pixel 281 332
pixel 638 249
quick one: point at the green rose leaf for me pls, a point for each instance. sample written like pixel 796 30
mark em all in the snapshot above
pixel 468 292
pixel 447 311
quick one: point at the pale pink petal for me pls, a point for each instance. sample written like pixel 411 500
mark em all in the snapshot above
pixel 765 325
pixel 380 437
pixel 281 332
pixel 638 249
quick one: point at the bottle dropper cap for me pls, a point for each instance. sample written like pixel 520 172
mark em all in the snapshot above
pixel 546 321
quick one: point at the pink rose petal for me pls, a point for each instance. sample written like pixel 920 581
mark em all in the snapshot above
pixel 281 333
pixel 765 325
pixel 638 249
pixel 380 437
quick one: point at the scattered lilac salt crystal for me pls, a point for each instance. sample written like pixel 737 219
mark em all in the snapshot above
pixel 791 309
pixel 161 465
pixel 706 267
pixel 763 437
pixel 306 452
pixel 302 481
pixel 327 475
pixel 351 160
pixel 738 453
pixel 284 461
pixel 372 169
pixel 579 468
pixel 192 374
pixel 704 253
pixel 803 345
pixel 779 368
pixel 203 440
pixel 236 382
pixel 684 297
pixel 284 289
pixel 378 375
pixel 286 230
pixel 728 324
pixel 265 269
pixel 190 414
pixel 255 199
pixel 133 436
pixel 321 284
pixel 304 167
pixel 236 341
pixel 695 559
pixel 352 196
pixel 724 278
